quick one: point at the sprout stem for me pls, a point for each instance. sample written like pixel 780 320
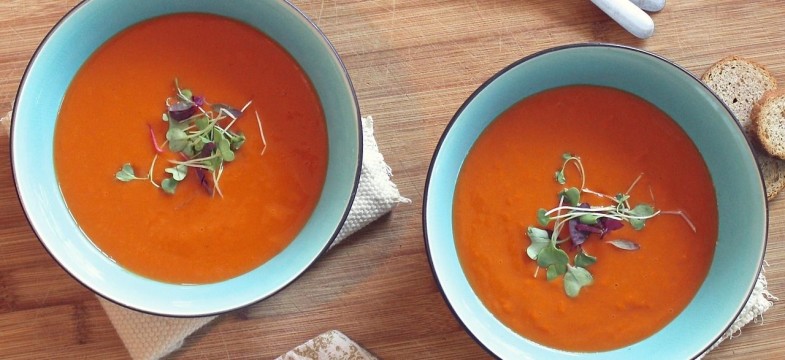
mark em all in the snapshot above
pixel 683 216
pixel 261 132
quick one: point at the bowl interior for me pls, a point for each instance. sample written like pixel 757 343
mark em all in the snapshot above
pixel 48 76
pixel 740 194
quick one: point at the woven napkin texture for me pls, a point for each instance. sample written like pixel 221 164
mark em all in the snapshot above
pixel 152 337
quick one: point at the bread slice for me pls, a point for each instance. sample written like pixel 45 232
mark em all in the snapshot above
pixel 768 122
pixel 740 83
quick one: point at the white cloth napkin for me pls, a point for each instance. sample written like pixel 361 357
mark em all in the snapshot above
pixel 760 301
pixel 152 337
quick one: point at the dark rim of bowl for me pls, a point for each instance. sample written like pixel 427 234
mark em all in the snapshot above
pixel 545 52
pixel 328 244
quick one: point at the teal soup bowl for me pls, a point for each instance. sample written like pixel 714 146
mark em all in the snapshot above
pixel 58 59
pixel 706 121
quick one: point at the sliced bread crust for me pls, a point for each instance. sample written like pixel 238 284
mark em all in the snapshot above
pixel 741 83
pixel 768 122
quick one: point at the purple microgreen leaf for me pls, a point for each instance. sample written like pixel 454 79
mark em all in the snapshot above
pixel 198 100
pixel 588 228
pixel 578 237
pixel 181 110
pixel 207 149
pixel 223 109
pixel 608 225
pixel 612 224
pixel 624 244
pixel 203 181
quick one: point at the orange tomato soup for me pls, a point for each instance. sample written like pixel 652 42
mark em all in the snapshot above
pixel 509 174
pixel 190 237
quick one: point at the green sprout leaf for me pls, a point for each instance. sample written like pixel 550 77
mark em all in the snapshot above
pixel 186 94
pixel 582 220
pixel 625 244
pixel 169 185
pixel 237 141
pixel 575 279
pixel 572 195
pixel 542 217
pixel 554 271
pixel 584 260
pixel 559 176
pixel 198 136
pixel 202 122
pixel 589 219
pixel 539 239
pixel 178 139
pixel 224 147
pixel 641 213
pixel 552 256
pixel 127 173
pixel 178 172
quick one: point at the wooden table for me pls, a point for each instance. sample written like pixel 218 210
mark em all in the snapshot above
pixel 412 63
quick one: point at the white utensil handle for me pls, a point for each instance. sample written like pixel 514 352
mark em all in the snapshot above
pixel 629 16
pixel 649 5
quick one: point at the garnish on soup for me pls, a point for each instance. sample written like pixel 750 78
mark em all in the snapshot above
pixel 583 219
pixel 196 134
pixel 504 180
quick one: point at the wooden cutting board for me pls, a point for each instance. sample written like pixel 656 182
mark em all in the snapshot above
pixel 412 63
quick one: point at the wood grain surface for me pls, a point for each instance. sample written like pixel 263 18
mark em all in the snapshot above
pixel 412 63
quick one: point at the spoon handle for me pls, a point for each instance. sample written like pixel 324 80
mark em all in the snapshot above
pixel 629 16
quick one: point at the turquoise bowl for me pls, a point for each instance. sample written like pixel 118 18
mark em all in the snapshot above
pixel 48 76
pixel 709 123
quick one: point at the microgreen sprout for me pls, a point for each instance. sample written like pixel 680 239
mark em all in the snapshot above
pixel 197 136
pixel 127 173
pixel 582 220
